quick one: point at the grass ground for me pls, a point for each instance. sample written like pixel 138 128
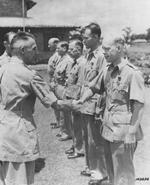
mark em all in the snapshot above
pixel 53 168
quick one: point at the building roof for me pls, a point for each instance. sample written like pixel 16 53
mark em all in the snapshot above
pixel 28 22
pixel 139 41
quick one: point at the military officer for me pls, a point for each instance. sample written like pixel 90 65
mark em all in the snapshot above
pixel 54 58
pixel 60 76
pixel 73 88
pixel 95 62
pixel 19 87
pixel 124 87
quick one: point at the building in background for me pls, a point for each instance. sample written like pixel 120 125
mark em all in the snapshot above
pixel 13 17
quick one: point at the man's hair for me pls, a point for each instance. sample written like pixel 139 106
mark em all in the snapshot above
pixel 8 35
pixel 95 29
pixel 54 40
pixel 75 35
pixel 119 40
pixel 64 44
pixel 21 36
pixel 78 43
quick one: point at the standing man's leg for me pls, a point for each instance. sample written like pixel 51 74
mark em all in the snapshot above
pixel 77 136
pixel 57 117
pixel 2 182
pixel 96 151
pixel 17 173
pixel 85 120
pixel 70 151
pixel 65 125
pixel 123 164
pixel 109 161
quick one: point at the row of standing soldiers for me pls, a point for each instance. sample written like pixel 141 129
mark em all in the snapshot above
pixel 70 71
pixel 77 75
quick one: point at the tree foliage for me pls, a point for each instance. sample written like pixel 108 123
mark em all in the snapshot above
pixel 148 34
pixel 127 34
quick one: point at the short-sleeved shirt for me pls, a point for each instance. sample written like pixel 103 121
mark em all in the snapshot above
pixel 53 60
pixel 123 85
pixel 62 69
pixel 4 59
pixel 74 82
pixel 95 63
pixel 19 87
pixel 60 75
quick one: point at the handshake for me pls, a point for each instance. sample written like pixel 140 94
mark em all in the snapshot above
pixel 74 105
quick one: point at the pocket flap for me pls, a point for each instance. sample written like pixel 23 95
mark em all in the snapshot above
pixel 121 118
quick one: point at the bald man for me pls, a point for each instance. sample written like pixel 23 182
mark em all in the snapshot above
pixel 53 60
pixel 5 58
pixel 54 57
pixel 124 87
pixel 52 45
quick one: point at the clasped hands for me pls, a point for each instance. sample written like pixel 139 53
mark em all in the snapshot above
pixel 68 104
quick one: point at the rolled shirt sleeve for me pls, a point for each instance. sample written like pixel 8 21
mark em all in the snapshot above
pixel 42 91
pixel 137 88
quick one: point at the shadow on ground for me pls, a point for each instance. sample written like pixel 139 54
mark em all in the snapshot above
pixel 39 164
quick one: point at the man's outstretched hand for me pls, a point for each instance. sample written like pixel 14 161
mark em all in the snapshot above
pixel 73 105
pixel 64 104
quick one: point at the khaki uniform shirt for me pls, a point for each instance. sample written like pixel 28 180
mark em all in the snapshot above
pixel 60 75
pixel 53 60
pixel 74 82
pixel 123 84
pixel 95 63
pixel 19 87
pixel 4 59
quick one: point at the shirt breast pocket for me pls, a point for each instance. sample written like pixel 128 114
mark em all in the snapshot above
pixel 120 92
pixel 122 118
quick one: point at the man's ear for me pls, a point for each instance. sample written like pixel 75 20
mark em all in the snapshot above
pixel 95 36
pixel 22 49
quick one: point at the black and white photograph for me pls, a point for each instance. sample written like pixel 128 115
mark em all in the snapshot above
pixel 74 92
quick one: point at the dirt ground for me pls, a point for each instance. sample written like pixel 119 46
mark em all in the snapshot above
pixel 53 168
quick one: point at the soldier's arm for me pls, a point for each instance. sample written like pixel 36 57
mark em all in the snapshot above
pixel 42 91
pixel 137 103
pixel 137 90
pixel 136 116
pixel 80 80
pixel 97 68
pixel 97 86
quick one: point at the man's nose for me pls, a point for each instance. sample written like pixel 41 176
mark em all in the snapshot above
pixel 105 54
